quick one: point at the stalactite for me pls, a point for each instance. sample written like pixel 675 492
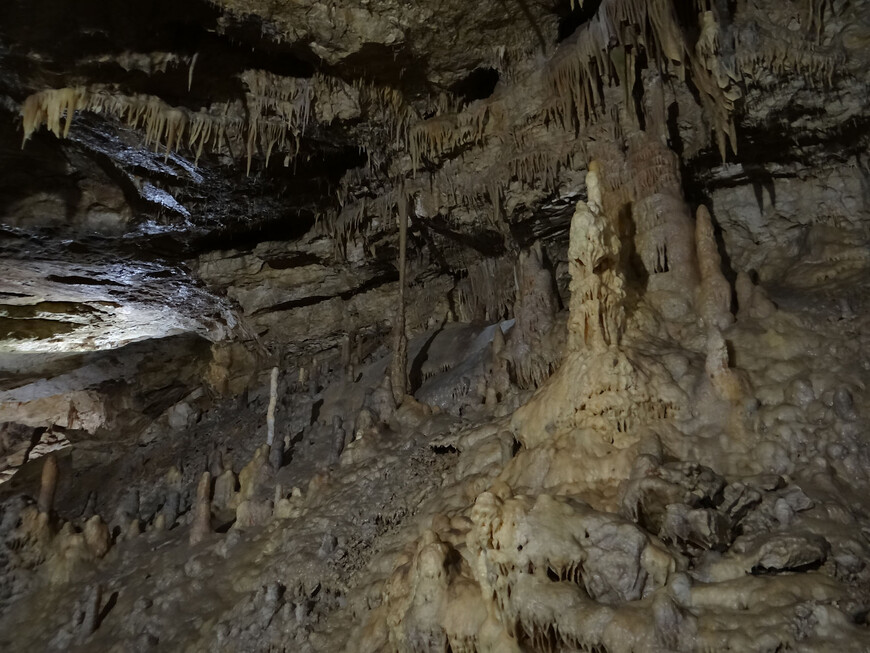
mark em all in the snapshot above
pixel 493 189
pixel 48 107
pixel 190 71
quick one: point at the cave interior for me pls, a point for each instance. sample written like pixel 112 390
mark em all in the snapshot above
pixel 500 326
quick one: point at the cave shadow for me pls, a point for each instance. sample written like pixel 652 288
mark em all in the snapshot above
pixel 727 268
pixel 675 140
pixel 315 411
pixel 415 372
pixel 527 14
pixel 549 265
pixel 761 181
pixel 113 599
pixel 29 169
pixel 637 276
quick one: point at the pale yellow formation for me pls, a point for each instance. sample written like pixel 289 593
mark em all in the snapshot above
pixel 48 485
pixel 97 537
pixel 250 476
pixel 714 292
pixel 273 399
pixel 597 314
pixel 277 108
pixel 201 525
pixel 163 124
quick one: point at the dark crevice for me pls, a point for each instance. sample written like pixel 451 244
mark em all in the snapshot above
pixel 389 65
pixel 288 226
pixel 760 570
pixel 302 302
pixel 478 85
pixel 296 260
pixel 415 374
pixel 570 19
pixel 488 243
pixel 523 6
pixel 25 329
pixel 81 281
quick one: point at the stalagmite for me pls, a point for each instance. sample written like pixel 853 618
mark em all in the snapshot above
pixel 339 438
pixel 91 613
pixel 97 536
pixel 201 525
pixel 714 292
pixel 530 348
pixel 273 399
pixel 276 454
pixel 48 485
pixel 225 490
pixel 752 302
pixel 383 401
pixel 726 381
pixel 251 475
pixel 597 313
pixel 169 511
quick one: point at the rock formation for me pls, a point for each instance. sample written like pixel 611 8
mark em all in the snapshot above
pixel 477 326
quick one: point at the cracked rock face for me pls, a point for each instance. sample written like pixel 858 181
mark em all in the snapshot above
pixel 621 247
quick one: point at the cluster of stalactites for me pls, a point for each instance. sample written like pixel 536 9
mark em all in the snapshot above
pixel 790 51
pixel 387 106
pixel 277 108
pixel 50 108
pixel 597 312
pixel 485 293
pixel 717 82
pixel 438 135
pixel 605 52
pixel 521 159
pixel 149 63
pixel 164 125
pixel 535 164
